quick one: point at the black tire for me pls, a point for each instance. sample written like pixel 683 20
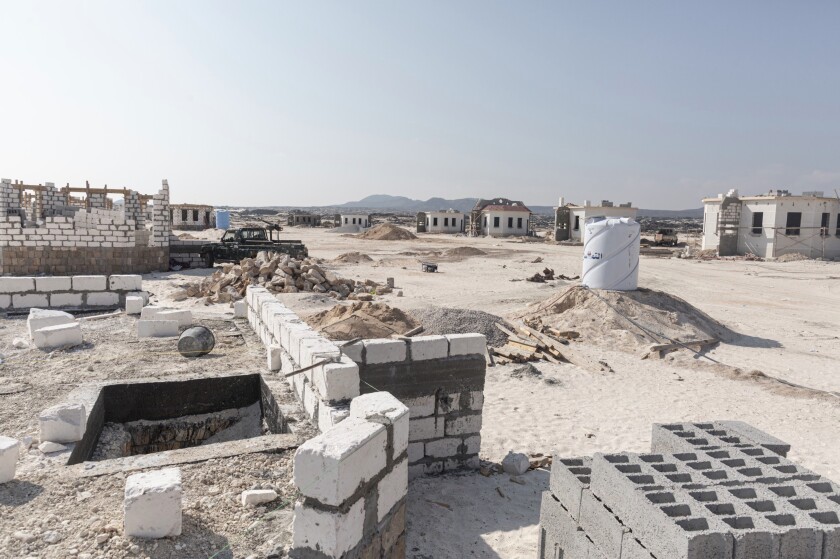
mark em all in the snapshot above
pixel 209 261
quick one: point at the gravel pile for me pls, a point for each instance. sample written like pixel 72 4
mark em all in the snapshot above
pixel 440 320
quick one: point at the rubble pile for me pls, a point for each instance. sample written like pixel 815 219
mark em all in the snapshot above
pixel 280 273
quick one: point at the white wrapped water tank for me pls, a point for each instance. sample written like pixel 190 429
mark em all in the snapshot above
pixel 611 254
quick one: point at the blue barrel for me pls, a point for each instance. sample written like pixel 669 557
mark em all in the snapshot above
pixel 222 219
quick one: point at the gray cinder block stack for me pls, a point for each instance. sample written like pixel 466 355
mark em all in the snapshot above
pixel 715 490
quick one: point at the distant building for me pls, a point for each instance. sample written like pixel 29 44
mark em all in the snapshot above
pixel 500 217
pixel 304 219
pixel 773 224
pixel 361 220
pixel 192 217
pixel 448 221
pixel 569 219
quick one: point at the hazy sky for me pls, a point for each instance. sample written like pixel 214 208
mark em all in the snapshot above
pixel 311 103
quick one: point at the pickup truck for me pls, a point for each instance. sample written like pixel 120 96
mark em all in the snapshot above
pixel 665 237
pixel 246 242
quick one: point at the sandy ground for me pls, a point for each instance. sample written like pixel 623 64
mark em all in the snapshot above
pixel 787 314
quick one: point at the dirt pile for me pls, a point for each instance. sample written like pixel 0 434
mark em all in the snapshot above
pixel 362 320
pixel 464 251
pixel 387 232
pixel 444 320
pixel 604 317
pixel 353 258
pixel 792 257
pixel 280 273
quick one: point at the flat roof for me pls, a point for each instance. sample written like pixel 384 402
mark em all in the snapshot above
pixel 767 198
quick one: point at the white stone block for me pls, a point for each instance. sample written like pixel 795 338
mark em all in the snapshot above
pixel 392 489
pixel 149 313
pixel 383 408
pixel 443 448
pixel 313 350
pixel 330 416
pixel 429 347
pixel 5 301
pixel 286 330
pixel 9 453
pixel 420 407
pixel 330 533
pixel 254 497
pixel 53 283
pixel 337 381
pixel 133 304
pixel 416 451
pixel 310 399
pixel 31 300
pixel 296 337
pixel 65 299
pixel 331 466
pixel 16 285
pixel 473 444
pixel 273 354
pixel 62 335
pixel 384 351
pixel 426 428
pixel 143 294
pixel 157 328
pixel 240 309
pixel 41 318
pixel 467 344
pixel 102 299
pixel 463 425
pixel 90 283
pixel 353 351
pixel 128 282
pixel 152 504
pixel 64 423
pixel 183 317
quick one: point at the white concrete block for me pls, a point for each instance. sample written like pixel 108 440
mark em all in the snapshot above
pixel 5 301
pixel 473 444
pixel 286 329
pixel 353 351
pixel 128 282
pixel 392 489
pixel 133 304
pixel 62 335
pixel 9 453
pixel 41 318
pixel 28 301
pixel 463 425
pixel 330 533
pixel 157 328
pixel 331 466
pixel 152 504
pixel 416 451
pixel 254 497
pixel 102 299
pixel 429 347
pixel 309 399
pixel 383 408
pixel 90 283
pixel 53 283
pixel 384 351
pixel 337 381
pixel 330 416
pixel 443 448
pixel 65 299
pixel 467 344
pixel 184 317
pixel 296 337
pixel 420 407
pixel 426 428
pixel 313 350
pixel 16 285
pixel 273 356
pixel 240 309
pixel 64 423
pixel 149 313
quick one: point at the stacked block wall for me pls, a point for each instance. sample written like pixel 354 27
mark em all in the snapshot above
pixel 161 226
pixel 186 252
pixel 354 479
pixel 67 291
pixel 729 221
pixel 721 494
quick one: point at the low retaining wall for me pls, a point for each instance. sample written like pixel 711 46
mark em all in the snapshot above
pixel 67 291
pixel 439 378
pixel 186 252
pixel 354 481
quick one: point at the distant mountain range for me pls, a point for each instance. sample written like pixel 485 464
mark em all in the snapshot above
pixel 402 203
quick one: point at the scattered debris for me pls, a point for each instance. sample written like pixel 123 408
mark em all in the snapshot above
pixel 540 461
pixel 548 275
pixel 19 343
pixel 537 260
pixel 516 463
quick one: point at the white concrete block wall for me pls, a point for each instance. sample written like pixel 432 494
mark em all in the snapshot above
pixel 67 291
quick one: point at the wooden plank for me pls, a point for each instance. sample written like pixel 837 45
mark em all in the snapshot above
pixel 689 343
pixel 565 352
pixel 526 347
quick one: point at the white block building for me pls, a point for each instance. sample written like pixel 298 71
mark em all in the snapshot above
pixel 569 219
pixel 500 217
pixel 192 217
pixel 773 224
pixel 448 221
pixel 362 220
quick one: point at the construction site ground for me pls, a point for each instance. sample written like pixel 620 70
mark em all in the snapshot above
pixel 780 374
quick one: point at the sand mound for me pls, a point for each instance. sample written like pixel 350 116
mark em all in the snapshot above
pixel 792 257
pixel 361 320
pixel 464 251
pixel 599 317
pixel 387 232
pixel 353 258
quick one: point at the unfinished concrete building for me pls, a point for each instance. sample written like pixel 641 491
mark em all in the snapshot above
pixel 304 219
pixel 500 217
pixel 362 220
pixel 192 217
pixel 448 221
pixel 569 219
pixel 773 224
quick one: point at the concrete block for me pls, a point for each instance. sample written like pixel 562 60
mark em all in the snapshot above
pixel 150 312
pixel 240 309
pixel 467 344
pixel 426 428
pixel 152 504
pixel 337 381
pixel 420 407
pixel 9 453
pixel 330 416
pixel 309 399
pixel 353 351
pixel 601 525
pixel 463 425
pixel 273 356
pixel 157 328
pixel 90 283
pixel 296 338
pixel 128 282
pixel 53 283
pixel 314 350
pixel 444 448
pixel 16 285
pixel 332 466
pixel 570 477
pixel 559 534
pixel 5 301
pixel 62 335
pixel 65 299
pixel 183 317
pixel 392 489
pixel 755 436
pixel 41 318
pixel 416 451
pixel 254 497
pixel 20 301
pixel 102 299
pixel 429 347
pixel 384 351
pixel 473 444
pixel 63 423
pixel 133 304
pixel 383 408
pixel 329 534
